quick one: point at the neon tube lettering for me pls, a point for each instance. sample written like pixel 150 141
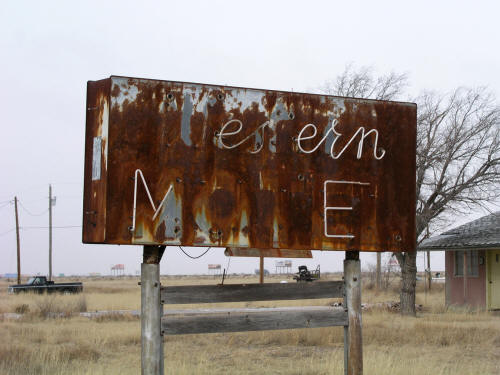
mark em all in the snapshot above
pixel 361 130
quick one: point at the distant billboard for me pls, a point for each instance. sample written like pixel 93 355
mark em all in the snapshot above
pixel 178 163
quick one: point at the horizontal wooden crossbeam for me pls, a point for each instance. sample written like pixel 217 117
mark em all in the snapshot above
pixel 176 322
pixel 251 292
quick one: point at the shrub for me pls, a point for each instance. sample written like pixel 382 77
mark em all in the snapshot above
pixel 23 308
pixel 59 306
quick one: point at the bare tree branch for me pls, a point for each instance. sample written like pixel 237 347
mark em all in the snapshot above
pixel 361 83
pixel 458 153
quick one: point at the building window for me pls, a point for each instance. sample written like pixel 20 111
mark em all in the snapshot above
pixel 472 263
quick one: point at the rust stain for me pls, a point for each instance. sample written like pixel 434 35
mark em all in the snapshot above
pixel 246 170
pixel 95 199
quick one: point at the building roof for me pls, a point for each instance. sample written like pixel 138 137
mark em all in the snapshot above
pixel 478 234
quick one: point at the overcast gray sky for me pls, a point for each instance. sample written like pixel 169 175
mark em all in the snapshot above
pixel 50 49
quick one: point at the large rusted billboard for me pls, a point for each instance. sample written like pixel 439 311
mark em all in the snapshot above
pixel 190 164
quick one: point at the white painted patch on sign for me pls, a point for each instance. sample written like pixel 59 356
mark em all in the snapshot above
pixel 96 159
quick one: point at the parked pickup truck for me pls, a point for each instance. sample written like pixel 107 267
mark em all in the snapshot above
pixel 40 284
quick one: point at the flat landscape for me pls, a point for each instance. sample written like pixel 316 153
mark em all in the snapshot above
pixel 46 335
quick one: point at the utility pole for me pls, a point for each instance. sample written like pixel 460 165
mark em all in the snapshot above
pixel 261 269
pixel 18 244
pixel 50 232
pixel 429 273
pixel 378 271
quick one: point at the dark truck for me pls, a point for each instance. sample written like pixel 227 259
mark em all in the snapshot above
pixel 40 284
pixel 305 275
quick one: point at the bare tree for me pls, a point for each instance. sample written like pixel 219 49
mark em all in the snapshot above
pixel 458 154
pixel 361 83
pixel 458 165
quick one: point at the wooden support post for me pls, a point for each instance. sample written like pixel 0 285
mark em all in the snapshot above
pixel 352 279
pixel 346 330
pixel 162 359
pixel 151 310
pixel 261 274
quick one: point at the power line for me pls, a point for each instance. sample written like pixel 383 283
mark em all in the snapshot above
pixel 196 257
pixel 35 187
pixel 5 204
pixel 58 227
pixel 36 200
pixel 7 232
pixel 29 212
pixel 68 183
pixel 36 227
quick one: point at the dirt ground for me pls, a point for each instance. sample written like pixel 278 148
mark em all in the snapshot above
pixel 438 341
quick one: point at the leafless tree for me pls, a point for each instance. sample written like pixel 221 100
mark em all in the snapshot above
pixel 387 276
pixel 458 164
pixel 458 154
pixel 361 83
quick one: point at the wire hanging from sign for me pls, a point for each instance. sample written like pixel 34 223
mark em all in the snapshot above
pixel 194 257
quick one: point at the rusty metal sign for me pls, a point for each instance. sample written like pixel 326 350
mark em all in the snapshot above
pixel 267 253
pixel 201 165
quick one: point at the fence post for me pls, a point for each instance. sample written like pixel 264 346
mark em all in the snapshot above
pixel 151 338
pixel 352 279
pixel 346 331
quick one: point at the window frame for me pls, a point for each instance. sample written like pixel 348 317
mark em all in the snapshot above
pixel 472 263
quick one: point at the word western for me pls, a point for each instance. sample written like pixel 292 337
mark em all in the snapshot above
pixel 308 132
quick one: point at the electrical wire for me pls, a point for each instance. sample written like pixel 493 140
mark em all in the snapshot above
pixel 7 232
pixel 53 227
pixel 192 257
pixel 5 204
pixel 31 213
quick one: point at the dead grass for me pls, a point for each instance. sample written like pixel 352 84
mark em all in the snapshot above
pixel 438 341
pixel 56 306
pixel 45 306
pixel 116 317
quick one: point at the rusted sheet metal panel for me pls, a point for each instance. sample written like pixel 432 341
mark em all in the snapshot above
pixel 203 165
pixel 267 253
pixel 95 173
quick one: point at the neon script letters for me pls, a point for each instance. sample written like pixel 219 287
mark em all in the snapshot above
pixel 309 131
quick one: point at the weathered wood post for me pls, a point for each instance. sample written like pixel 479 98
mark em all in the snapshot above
pixel 352 279
pixel 162 359
pixel 151 311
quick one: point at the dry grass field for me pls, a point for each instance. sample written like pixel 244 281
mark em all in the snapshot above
pixel 438 341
